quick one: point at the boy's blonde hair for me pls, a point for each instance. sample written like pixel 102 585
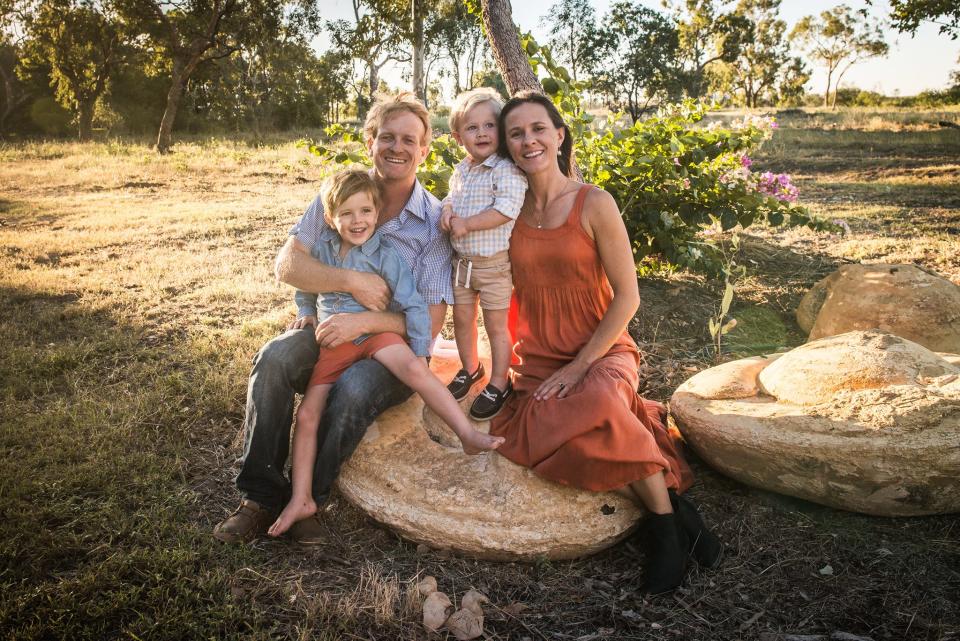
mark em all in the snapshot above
pixel 470 99
pixel 387 106
pixel 344 184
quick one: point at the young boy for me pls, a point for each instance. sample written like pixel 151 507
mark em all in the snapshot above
pixel 351 200
pixel 486 193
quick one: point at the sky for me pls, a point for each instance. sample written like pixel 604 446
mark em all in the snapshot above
pixel 913 64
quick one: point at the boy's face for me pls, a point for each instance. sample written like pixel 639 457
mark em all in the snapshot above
pixel 399 147
pixel 355 220
pixel 478 131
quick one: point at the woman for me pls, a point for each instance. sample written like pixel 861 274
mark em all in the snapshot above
pixel 576 417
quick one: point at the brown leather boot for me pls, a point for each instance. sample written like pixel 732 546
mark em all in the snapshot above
pixel 249 521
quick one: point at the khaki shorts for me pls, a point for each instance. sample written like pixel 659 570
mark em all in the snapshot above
pixel 488 277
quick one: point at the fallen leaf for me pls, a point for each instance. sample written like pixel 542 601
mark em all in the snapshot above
pixel 472 600
pixel 465 624
pixel 826 570
pixel 436 608
pixel 427 585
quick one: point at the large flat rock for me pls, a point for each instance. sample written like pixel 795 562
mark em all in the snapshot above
pixel 903 300
pixel 864 421
pixel 410 474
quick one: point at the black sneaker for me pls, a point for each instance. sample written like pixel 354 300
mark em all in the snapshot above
pixel 463 381
pixel 490 402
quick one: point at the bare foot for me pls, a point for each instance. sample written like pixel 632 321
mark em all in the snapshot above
pixel 475 442
pixel 296 510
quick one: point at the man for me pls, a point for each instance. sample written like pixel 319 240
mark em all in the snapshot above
pixel 397 133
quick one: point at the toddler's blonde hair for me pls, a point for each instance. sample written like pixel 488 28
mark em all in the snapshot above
pixel 345 183
pixel 470 99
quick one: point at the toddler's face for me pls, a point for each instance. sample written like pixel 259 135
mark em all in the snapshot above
pixel 478 131
pixel 355 219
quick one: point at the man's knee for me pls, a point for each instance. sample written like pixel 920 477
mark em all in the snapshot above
pixel 287 357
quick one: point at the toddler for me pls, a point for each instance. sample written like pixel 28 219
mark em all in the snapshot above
pixel 485 196
pixel 351 199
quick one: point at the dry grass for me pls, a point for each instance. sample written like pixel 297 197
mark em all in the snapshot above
pixel 136 288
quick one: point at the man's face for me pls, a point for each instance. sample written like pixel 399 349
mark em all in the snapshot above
pixel 399 147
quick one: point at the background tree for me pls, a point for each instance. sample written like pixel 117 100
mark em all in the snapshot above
pixel 505 44
pixel 707 36
pixel 631 59
pixel 375 38
pixel 571 24
pixel 459 38
pixel 908 14
pixel 838 39
pixel 764 59
pixel 80 42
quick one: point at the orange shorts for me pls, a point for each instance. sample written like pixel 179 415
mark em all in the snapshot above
pixel 333 362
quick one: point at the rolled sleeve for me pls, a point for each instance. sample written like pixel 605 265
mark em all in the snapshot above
pixel 306 304
pixel 311 225
pixel 509 189
pixel 405 296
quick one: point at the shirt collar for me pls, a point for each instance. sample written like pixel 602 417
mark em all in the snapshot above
pixel 332 238
pixel 417 203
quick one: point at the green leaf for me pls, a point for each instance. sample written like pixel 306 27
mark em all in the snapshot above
pixel 727 299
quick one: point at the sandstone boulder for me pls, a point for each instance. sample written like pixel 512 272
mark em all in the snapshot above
pixel 864 421
pixel 410 474
pixel 900 299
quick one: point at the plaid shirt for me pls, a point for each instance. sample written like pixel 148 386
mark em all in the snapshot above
pixel 415 235
pixel 495 183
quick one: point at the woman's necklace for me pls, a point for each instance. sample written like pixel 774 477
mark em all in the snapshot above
pixel 538 218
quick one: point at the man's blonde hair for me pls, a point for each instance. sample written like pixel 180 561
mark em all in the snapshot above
pixel 345 183
pixel 387 106
pixel 470 99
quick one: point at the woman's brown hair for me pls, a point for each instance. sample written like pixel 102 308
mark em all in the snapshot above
pixel 529 96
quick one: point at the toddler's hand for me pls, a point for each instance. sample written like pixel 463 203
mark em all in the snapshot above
pixel 302 322
pixel 458 227
pixel 445 218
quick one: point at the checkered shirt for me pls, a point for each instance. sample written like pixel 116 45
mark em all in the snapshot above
pixel 495 183
pixel 415 235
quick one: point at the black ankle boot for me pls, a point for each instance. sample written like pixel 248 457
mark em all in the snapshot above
pixel 703 544
pixel 666 554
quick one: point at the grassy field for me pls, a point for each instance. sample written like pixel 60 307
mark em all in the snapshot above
pixel 135 289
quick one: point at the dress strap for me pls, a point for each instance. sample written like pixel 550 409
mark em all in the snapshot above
pixel 574 218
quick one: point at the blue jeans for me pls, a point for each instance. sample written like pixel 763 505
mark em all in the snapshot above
pixel 282 369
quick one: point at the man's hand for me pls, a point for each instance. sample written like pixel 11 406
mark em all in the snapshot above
pixel 371 291
pixel 338 329
pixel 446 217
pixel 458 227
pixel 302 322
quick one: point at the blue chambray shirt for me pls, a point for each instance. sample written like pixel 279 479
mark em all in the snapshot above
pixel 415 234
pixel 377 256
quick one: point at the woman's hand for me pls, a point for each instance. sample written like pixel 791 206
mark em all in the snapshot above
pixel 561 381
pixel 302 322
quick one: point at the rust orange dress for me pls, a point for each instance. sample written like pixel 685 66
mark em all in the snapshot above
pixel 602 435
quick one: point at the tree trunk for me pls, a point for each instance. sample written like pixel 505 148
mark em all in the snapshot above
pixel 826 94
pixel 178 82
pixel 511 59
pixel 85 116
pixel 419 86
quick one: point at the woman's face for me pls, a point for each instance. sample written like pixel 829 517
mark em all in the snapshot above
pixel 532 139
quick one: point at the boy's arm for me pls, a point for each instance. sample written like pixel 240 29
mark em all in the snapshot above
pixel 406 296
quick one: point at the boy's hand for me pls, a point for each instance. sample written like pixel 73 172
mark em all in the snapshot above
pixel 445 219
pixel 458 227
pixel 302 322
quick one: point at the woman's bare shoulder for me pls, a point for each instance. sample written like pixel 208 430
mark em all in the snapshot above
pixel 600 207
